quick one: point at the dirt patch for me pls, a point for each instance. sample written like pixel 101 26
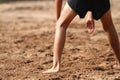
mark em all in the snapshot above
pixel 26 42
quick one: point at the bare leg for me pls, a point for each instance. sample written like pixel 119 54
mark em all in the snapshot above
pixel 112 34
pixel 66 17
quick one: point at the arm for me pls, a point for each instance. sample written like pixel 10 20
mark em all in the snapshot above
pixel 90 22
pixel 58 4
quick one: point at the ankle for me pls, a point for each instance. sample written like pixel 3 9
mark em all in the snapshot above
pixel 56 66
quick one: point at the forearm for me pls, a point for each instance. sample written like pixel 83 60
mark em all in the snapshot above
pixel 58 4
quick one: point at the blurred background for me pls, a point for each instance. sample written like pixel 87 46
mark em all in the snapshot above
pixel 27 30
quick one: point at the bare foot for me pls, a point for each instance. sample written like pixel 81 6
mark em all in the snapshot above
pixel 52 70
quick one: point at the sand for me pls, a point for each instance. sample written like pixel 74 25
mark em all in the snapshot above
pixel 26 44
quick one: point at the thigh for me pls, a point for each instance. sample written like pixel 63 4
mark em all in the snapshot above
pixel 67 15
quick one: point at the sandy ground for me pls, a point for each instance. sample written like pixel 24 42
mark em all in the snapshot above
pixel 26 41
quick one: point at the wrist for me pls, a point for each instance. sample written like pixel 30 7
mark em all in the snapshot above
pixel 89 13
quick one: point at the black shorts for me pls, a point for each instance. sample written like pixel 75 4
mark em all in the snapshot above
pixel 98 7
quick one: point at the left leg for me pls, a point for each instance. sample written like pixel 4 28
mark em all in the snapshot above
pixel 111 33
pixel 65 19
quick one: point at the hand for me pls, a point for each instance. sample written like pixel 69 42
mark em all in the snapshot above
pixel 90 24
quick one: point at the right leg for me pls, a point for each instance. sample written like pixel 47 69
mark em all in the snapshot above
pixel 112 34
pixel 66 17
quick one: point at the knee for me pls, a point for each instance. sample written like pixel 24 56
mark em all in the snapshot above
pixel 61 24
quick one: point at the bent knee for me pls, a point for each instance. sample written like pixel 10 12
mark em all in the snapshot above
pixel 61 23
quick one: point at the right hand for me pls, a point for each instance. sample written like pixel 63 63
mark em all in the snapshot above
pixel 90 23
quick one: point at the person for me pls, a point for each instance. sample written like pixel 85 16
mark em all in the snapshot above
pixel 94 9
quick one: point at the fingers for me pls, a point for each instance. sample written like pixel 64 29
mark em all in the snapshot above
pixel 90 26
